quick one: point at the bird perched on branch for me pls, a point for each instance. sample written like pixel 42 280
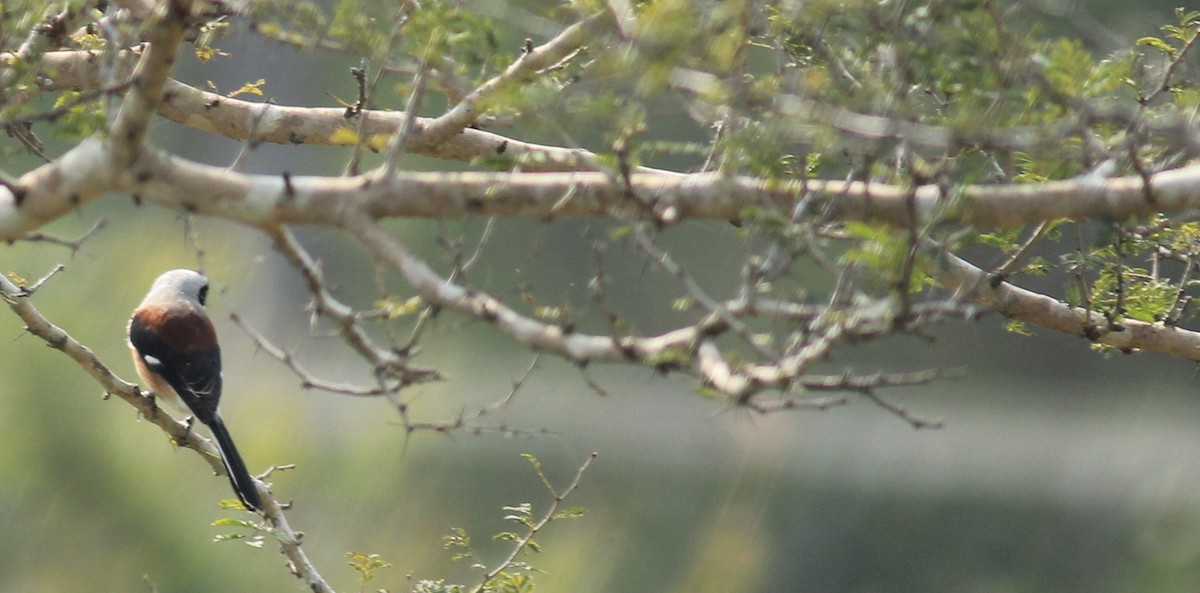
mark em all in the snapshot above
pixel 176 354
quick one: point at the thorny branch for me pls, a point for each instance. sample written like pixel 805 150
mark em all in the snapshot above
pixel 550 515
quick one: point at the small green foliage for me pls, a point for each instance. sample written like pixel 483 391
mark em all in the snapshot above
pixel 676 357
pixel 623 131
pixel 1017 327
pixel 656 149
pixel 438 586
pixel 1002 239
pixel 1183 33
pixel 620 232
pixel 362 26
pixel 570 513
pixel 1037 266
pixel 1183 237
pixel 458 40
pixel 392 307
pixel 1072 295
pixel 498 162
pixel 250 88
pixel 1158 44
pixel 81 119
pixel 89 41
pixel 365 565
pixel 205 43
pixel 460 543
pixel 812 164
pixel 883 251
pixel 708 392
pixel 537 468
pixel 251 533
pixel 521 514
pixel 1073 72
pixel 509 582
pixel 298 22
pixel 512 575
pixel 1143 298
pixel 759 150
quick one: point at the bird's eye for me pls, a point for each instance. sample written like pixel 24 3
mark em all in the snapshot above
pixel 202 296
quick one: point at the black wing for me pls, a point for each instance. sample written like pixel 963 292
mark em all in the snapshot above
pixel 195 375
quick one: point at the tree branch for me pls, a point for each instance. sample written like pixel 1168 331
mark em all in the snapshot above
pixel 1038 309
pixel 129 129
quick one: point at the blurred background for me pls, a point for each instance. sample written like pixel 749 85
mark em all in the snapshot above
pixel 1058 469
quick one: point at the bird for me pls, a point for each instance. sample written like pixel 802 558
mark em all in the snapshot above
pixel 176 354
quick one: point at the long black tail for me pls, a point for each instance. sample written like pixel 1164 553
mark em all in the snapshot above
pixel 239 477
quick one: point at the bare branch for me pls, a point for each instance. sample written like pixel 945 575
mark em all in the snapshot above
pixel 308 380
pixel 470 422
pixel 915 421
pixel 73 244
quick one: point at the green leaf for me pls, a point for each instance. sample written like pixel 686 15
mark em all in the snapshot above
pixel 457 538
pixel 393 308
pixel 1017 327
pixel 522 513
pixel 250 88
pixel 231 522
pixel 1158 44
pixel 366 565
pixel 1072 296
pixel 571 513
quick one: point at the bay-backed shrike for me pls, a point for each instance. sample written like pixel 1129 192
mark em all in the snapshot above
pixel 176 353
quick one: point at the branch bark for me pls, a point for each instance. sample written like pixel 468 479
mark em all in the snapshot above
pixel 1043 311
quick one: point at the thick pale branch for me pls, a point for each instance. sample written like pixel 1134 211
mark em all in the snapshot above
pixel 545 196
pixel 42 195
pixel 282 124
pixel 82 174
pixel 141 102
pixel 1043 311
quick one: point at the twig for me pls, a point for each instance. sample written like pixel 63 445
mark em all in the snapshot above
pixel 531 59
pixel 73 244
pixel 308 380
pixel 537 527
pixel 468 423
pixel 915 421
pixel 1007 268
